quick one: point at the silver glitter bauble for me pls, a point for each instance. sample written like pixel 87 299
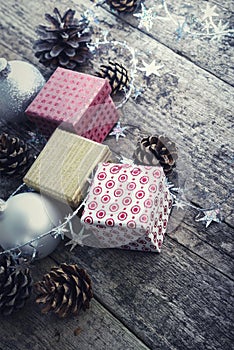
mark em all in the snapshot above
pixel 19 84
pixel 24 217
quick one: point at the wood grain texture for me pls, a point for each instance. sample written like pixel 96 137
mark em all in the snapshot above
pixel 182 298
pixel 174 103
pixel 182 103
pixel 97 328
pixel 174 300
pixel 215 56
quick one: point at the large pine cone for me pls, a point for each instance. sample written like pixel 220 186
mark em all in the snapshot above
pixel 123 6
pixel 15 285
pixel 116 74
pixel 14 155
pixel 157 150
pixel 64 290
pixel 65 42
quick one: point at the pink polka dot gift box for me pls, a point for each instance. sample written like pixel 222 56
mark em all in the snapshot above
pixel 76 101
pixel 128 207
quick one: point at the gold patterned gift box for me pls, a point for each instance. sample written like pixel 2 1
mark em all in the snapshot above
pixel 64 166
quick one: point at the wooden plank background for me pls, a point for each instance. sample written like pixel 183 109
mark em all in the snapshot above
pixel 182 298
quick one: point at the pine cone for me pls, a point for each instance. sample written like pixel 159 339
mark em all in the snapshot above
pixel 15 285
pixel 123 6
pixel 157 150
pixel 116 74
pixel 65 290
pixel 14 155
pixel 64 42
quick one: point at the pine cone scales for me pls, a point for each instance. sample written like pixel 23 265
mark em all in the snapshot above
pixel 65 290
pixel 15 285
pixel 14 154
pixel 157 150
pixel 123 5
pixel 65 42
pixel 116 74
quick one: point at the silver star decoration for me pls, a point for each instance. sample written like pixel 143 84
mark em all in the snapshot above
pixel 209 216
pixel 220 30
pixel 137 92
pixel 118 131
pixel 59 231
pixel 68 218
pixel 77 239
pixel 146 18
pixel 151 68
pixel 179 204
pixel 73 244
pixel 172 187
pixel 209 12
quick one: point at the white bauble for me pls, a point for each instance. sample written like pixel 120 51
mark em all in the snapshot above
pixel 25 217
pixel 20 82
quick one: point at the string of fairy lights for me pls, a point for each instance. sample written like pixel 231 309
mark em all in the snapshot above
pixel 184 26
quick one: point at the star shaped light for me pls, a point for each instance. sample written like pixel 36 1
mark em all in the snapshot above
pixel 172 187
pixel 179 204
pixel 59 231
pixel 77 239
pixel 151 68
pixel 209 12
pixel 72 243
pixel 137 92
pixel 209 216
pixel 118 131
pixel 146 18
pixel 220 30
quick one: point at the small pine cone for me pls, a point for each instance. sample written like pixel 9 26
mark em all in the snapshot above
pixel 65 42
pixel 123 6
pixel 15 285
pixel 14 155
pixel 157 150
pixel 116 74
pixel 64 290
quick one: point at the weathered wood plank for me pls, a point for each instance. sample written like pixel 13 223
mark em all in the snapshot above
pixel 200 126
pixel 225 4
pixel 214 245
pixel 187 110
pixel 219 236
pixel 182 298
pixel 209 52
pixel 29 329
pixel 174 300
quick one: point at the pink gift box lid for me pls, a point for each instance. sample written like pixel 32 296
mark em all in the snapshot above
pixel 67 95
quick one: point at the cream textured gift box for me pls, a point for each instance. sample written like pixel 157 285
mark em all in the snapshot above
pixel 79 102
pixel 64 166
pixel 128 206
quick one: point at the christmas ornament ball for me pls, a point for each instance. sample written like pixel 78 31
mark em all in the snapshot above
pixel 19 84
pixel 24 217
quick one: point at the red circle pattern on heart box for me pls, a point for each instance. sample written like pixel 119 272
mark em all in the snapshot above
pixel 128 206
